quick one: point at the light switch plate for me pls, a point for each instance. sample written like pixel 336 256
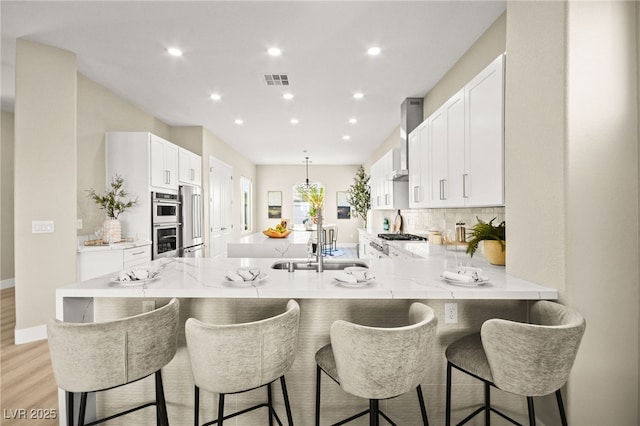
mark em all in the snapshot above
pixel 42 226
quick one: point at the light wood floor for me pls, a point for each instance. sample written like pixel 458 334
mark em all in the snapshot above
pixel 26 375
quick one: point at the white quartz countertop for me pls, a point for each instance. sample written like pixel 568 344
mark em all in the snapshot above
pixel 394 279
pixel 113 246
pixel 295 237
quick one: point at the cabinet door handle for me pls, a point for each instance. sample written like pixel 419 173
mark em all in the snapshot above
pixel 137 253
pixel 442 195
pixel 167 177
pixel 465 176
pixel 193 174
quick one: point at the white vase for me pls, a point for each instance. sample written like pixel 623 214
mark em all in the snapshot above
pixel 111 231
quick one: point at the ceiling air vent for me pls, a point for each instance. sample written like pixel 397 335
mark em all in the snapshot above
pixel 276 79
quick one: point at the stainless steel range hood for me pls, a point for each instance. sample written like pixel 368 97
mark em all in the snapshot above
pixel 410 118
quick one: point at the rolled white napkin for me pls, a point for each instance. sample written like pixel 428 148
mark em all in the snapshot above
pixel 232 276
pixel 457 277
pixel 346 278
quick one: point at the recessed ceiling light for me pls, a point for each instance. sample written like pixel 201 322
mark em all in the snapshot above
pixel 215 97
pixel 239 121
pixel 294 121
pixel 274 51
pixel 288 96
pixel 373 51
pixel 346 137
pixel 353 121
pixel 174 51
pixel 358 95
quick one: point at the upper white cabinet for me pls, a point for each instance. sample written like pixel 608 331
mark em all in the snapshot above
pixel 418 145
pixel 456 156
pixel 190 168
pixel 484 142
pixel 387 193
pixel 164 163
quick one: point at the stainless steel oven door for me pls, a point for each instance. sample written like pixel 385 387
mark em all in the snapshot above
pixel 165 240
pixel 164 210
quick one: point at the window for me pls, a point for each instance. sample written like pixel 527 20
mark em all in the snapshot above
pixel 246 195
pixel 300 207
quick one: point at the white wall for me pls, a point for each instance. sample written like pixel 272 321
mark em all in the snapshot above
pixel 101 111
pixel 6 196
pixel 45 179
pixel 283 178
pixel 572 186
pixel 602 188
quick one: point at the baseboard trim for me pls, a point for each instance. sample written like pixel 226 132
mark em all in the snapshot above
pixel 8 283
pixel 31 334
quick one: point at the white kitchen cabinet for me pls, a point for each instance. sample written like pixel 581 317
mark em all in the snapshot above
pixel 484 137
pixel 164 164
pixel 418 145
pixel 95 262
pixel 437 158
pixel 387 193
pixel 464 141
pixel 135 256
pixel 189 168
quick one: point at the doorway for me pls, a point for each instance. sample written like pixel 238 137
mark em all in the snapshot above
pixel 220 205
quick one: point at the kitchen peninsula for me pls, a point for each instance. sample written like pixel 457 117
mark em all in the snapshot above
pixel 206 294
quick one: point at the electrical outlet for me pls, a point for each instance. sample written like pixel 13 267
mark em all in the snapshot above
pixel 78 223
pixel 450 313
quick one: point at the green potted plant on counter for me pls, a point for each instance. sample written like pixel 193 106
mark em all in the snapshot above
pixel 494 237
pixel 113 202
pixel 360 194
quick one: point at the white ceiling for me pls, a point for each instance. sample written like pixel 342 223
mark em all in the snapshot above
pixel 122 46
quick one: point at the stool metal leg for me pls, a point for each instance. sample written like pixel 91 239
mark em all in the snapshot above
pixel 287 406
pixel 318 376
pixel 532 413
pixel 374 418
pixel 220 409
pixel 487 403
pixel 69 403
pixel 448 400
pixel 161 402
pixel 423 408
pixel 196 406
pixel 270 404
pixel 563 416
pixel 83 408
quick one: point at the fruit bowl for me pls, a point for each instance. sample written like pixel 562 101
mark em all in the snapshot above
pixel 276 234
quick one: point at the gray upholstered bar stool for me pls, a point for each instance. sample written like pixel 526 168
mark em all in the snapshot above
pixel 378 363
pixel 94 357
pixel 228 359
pixel 527 359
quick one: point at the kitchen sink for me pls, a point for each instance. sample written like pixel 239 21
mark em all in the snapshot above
pixel 329 265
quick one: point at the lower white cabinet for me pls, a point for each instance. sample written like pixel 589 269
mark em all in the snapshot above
pixel 93 263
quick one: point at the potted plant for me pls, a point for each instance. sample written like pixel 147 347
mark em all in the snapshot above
pixel 494 237
pixel 113 202
pixel 314 195
pixel 360 194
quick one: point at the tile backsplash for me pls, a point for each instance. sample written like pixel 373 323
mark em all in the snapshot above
pixel 421 221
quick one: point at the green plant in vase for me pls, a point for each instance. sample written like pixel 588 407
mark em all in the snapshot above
pixel 494 237
pixel 113 202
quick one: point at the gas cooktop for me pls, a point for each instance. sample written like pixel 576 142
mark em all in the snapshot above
pixel 402 237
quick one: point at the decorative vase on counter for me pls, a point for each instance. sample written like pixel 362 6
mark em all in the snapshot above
pixel 111 231
pixel 494 253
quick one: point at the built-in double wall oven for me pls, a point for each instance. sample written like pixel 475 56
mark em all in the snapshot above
pixel 165 224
